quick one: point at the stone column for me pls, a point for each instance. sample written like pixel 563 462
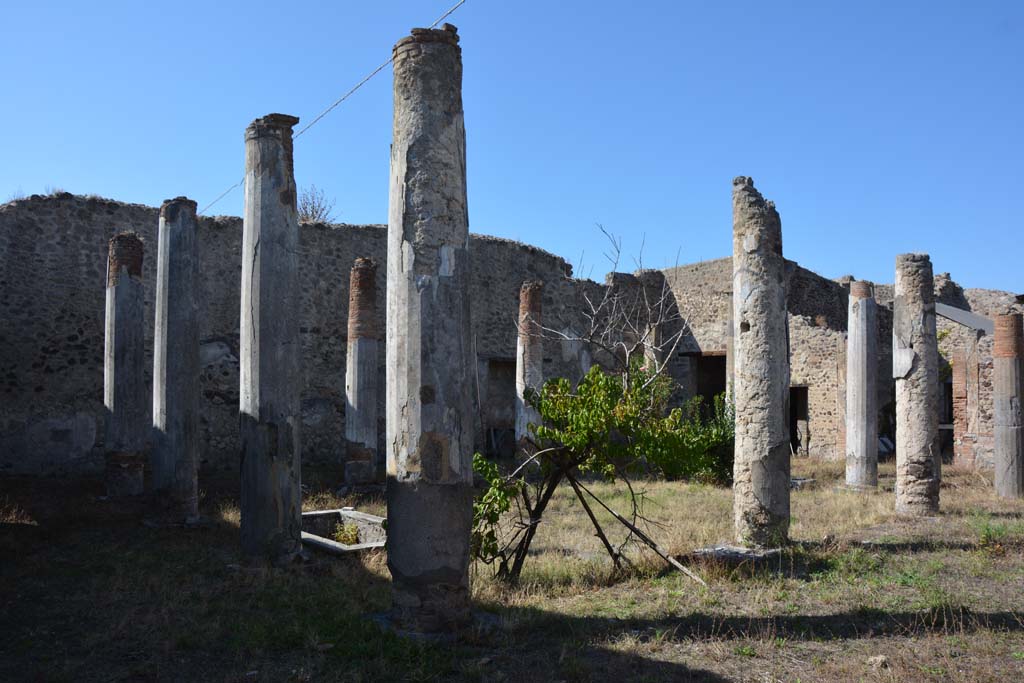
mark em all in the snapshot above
pixel 124 355
pixel 270 368
pixel 761 473
pixel 429 357
pixel 915 367
pixel 1008 371
pixel 529 355
pixel 175 458
pixel 862 388
pixel 361 374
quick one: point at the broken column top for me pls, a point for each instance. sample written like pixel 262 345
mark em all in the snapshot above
pixel 531 287
pixel 170 208
pixel 530 294
pixel 125 251
pixel 860 289
pixel 271 124
pixel 1009 336
pixel 757 211
pixel 446 34
pixel 914 260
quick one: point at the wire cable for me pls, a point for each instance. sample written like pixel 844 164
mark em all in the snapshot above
pixel 337 102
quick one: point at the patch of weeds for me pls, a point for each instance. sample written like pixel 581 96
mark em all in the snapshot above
pixel 912 579
pixel 993 536
pixel 853 564
pixel 745 651
pixel 1017 655
pixel 346 534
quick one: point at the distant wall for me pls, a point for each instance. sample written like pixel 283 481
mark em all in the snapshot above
pixel 52 260
pixel 52 268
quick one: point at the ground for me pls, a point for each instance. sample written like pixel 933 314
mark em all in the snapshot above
pixel 89 592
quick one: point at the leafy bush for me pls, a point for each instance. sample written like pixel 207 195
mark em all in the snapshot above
pixel 688 445
pixel 613 426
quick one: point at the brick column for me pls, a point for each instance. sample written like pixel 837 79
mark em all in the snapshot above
pixel 529 355
pixel 361 375
pixel 124 355
pixel 1008 366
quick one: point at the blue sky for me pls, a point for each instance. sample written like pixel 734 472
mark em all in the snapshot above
pixel 877 127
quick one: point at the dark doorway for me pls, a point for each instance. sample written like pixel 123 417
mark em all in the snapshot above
pixel 499 409
pixel 946 416
pixel 799 435
pixel 710 373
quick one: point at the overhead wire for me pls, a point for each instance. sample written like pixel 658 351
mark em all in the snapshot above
pixel 336 102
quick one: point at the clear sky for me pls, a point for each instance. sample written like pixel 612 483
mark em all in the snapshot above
pixel 877 127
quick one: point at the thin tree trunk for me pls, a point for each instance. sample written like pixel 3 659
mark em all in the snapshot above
pixel 593 520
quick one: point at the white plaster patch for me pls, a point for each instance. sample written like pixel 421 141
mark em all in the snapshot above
pixel 447 267
pixel 408 257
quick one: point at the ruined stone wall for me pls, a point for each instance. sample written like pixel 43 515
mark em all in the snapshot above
pixel 972 382
pixel 817 326
pixel 52 269
pixel 703 293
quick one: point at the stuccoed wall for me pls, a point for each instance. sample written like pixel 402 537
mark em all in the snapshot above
pixel 52 269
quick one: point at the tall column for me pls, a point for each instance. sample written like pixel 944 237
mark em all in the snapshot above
pixel 915 367
pixel 270 369
pixel 361 374
pixel 529 355
pixel 124 381
pixel 862 388
pixel 429 357
pixel 175 457
pixel 1008 371
pixel 761 474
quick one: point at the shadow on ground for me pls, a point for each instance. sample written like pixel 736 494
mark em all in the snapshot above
pixel 88 592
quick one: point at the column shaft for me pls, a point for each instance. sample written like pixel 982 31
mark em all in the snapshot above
pixel 175 457
pixel 862 388
pixel 429 354
pixel 1008 380
pixel 124 354
pixel 761 472
pixel 915 366
pixel 270 369
pixel 361 464
pixel 529 355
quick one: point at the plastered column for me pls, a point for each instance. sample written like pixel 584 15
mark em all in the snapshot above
pixel 361 374
pixel 270 368
pixel 529 355
pixel 124 381
pixel 175 457
pixel 429 358
pixel 761 472
pixel 915 367
pixel 1008 381
pixel 862 388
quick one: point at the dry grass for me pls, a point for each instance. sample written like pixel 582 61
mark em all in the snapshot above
pixel 92 594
